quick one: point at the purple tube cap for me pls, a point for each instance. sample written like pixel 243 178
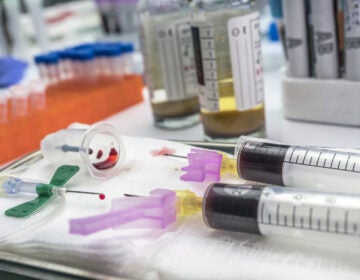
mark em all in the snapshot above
pixel 156 211
pixel 203 166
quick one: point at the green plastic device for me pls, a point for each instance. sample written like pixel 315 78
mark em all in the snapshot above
pixel 45 192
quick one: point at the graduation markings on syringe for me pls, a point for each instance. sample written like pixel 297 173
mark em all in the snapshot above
pixel 329 159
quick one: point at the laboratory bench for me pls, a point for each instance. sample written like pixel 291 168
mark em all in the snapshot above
pixel 137 121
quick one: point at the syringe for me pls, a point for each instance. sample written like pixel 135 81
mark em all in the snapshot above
pixel 329 169
pixel 285 212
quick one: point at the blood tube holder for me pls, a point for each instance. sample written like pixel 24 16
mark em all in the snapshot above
pixel 323 101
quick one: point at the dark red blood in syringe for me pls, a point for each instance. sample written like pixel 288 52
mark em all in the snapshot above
pixel 110 162
pixel 102 196
pixel 262 162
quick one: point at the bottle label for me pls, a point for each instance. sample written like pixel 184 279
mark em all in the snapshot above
pixel 246 60
pixel 204 46
pixel 177 60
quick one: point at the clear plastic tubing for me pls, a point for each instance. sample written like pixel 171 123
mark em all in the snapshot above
pixel 11 185
pixel 288 213
pixel 328 169
pixel 99 148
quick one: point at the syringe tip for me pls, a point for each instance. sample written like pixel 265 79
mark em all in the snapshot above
pixel 102 196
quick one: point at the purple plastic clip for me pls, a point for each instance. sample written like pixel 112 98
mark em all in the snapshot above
pixel 203 166
pixel 156 211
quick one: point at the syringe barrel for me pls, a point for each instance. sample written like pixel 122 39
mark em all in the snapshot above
pixel 328 169
pixel 232 208
pixel 288 213
pixel 261 161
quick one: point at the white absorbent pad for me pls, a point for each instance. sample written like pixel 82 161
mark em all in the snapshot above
pixel 185 250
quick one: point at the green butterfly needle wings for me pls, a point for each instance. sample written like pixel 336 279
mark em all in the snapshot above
pixel 62 175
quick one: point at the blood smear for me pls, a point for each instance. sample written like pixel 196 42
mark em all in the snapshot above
pixel 163 151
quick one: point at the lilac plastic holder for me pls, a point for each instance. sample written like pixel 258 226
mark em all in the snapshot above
pixel 203 166
pixel 156 211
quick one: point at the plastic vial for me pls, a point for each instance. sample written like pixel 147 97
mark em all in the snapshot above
pixel 227 44
pixel 37 95
pixel 169 62
pixel 19 117
pixel 6 145
pixel 41 67
pixel 286 213
pixel 49 67
pixel 98 147
pixel 127 59
pixel 85 65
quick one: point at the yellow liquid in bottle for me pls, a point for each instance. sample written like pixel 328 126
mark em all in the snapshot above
pixel 162 106
pixel 229 122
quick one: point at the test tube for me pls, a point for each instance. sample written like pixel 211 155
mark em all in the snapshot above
pixel 37 96
pixel 20 125
pixel 19 100
pixel 127 59
pixel 85 65
pixel 287 213
pixel 66 71
pixel 4 112
pixel 41 67
pixel 113 60
pixel 329 169
pixel 100 59
pixel 48 66
pixel 107 57
pixel 98 147
pixel 6 145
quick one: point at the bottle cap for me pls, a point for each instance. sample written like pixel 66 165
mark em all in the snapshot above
pixel 127 48
pixel 83 54
pixel 50 58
